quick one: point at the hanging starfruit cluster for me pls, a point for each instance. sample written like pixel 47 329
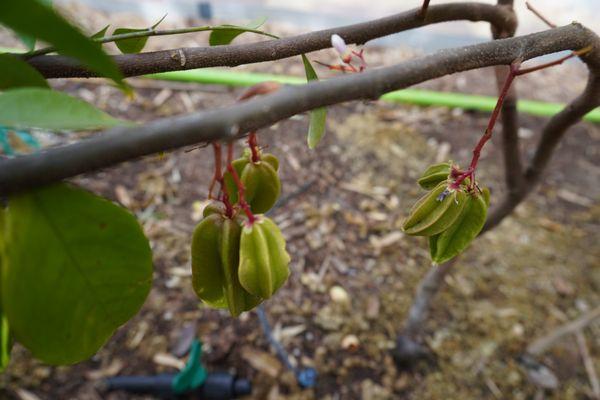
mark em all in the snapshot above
pixel 451 217
pixel 236 263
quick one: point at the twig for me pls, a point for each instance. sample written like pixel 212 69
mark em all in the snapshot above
pixel 232 55
pixel 539 346
pixel 539 15
pixel 424 8
pixel 148 33
pixel 588 363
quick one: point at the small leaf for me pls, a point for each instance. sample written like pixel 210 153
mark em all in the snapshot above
pixel 33 18
pixel 225 36
pixel 316 127
pixel 311 74
pixel 77 267
pixel 14 72
pixel 100 33
pixel 28 41
pixel 50 109
pixel 137 44
pixel 132 45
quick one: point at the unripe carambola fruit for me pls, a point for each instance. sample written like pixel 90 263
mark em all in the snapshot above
pixel 207 269
pixel 454 240
pixel 434 174
pixel 435 211
pixel 214 207
pixel 261 182
pixel 215 262
pixel 263 258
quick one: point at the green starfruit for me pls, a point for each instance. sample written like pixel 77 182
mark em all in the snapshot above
pixel 215 262
pixel 263 258
pixel 454 240
pixel 261 182
pixel 435 211
pixel 434 174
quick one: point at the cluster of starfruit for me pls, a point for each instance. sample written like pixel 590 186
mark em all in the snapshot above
pixel 238 262
pixel 451 215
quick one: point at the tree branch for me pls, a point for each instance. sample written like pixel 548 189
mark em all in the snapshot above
pixel 124 144
pixel 426 291
pixel 233 55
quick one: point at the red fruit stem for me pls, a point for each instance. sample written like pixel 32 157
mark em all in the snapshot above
pixel 241 200
pixel 228 206
pixel 253 144
pixel 217 176
pixel 229 153
pixel 515 71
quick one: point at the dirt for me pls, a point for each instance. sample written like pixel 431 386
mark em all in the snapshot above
pixel 344 205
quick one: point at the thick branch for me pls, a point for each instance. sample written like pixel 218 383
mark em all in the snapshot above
pixel 233 55
pixel 124 144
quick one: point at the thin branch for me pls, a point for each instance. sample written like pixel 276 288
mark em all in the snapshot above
pixel 424 8
pixel 588 363
pixel 539 346
pixel 148 33
pixel 539 15
pixel 124 144
pixel 561 60
pixel 201 57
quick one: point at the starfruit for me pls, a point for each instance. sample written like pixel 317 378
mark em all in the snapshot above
pixel 461 233
pixel 215 262
pixel 434 174
pixel 435 211
pixel 263 258
pixel 261 182
pixel 214 207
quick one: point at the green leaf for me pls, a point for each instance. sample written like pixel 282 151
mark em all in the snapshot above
pixel 100 33
pixel 15 72
pixel 132 45
pixel 50 109
pixel 33 18
pixel 229 32
pixel 28 41
pixel 77 267
pixel 316 127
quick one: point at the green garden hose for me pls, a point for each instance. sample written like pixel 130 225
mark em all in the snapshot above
pixel 411 96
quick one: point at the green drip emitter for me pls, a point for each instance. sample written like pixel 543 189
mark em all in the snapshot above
pixel 193 382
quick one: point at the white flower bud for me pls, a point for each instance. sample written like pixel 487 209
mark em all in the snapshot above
pixel 340 46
